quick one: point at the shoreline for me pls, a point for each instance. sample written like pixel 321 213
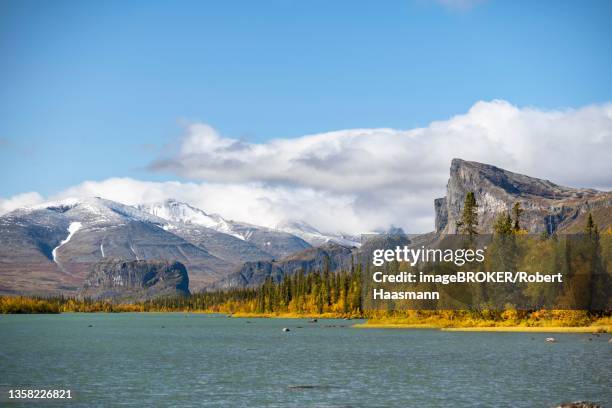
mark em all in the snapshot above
pixel 240 315
pixel 592 329
pixel 499 329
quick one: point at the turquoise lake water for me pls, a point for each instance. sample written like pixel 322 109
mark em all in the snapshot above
pixel 161 359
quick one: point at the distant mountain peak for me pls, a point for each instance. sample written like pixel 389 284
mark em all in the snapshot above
pixel 268 240
pixel 90 210
pixel 315 237
pixel 177 211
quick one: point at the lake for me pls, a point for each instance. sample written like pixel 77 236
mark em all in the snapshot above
pixel 181 359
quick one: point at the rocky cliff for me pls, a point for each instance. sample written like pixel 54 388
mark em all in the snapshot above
pixel 548 207
pixel 136 280
pixel 252 274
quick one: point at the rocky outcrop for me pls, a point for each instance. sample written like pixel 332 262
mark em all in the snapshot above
pixel 252 274
pixel 136 280
pixel 547 207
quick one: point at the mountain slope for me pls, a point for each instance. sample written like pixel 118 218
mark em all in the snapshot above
pixel 548 206
pixel 51 248
pixel 188 220
pixel 315 237
pixel 41 250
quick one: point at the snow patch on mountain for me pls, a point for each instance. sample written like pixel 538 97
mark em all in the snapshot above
pixel 178 212
pixel 94 211
pixel 182 213
pixel 72 229
pixel 315 237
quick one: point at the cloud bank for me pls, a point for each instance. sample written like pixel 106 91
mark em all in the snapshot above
pixel 361 180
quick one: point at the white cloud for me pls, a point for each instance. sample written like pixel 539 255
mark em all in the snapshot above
pixel 367 161
pixel 19 200
pixel 363 179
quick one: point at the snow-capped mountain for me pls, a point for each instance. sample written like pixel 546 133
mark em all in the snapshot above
pixel 178 212
pixel 184 218
pixel 93 211
pixel 315 237
pixel 184 213
pixel 50 248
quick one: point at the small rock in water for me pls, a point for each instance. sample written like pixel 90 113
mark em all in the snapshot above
pixel 285 329
pixel 309 386
pixel 313 321
pixel 91 325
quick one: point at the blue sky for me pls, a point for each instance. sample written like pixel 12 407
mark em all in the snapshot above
pixel 91 90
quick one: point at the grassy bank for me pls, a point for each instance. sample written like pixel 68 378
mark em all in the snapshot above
pixel 543 329
pixel 518 329
pixel 557 321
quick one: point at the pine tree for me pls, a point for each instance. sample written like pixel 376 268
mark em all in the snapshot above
pixel 517 211
pixel 503 225
pixel 469 218
pixel 590 229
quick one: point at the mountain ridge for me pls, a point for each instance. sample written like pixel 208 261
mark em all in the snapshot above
pixel 548 207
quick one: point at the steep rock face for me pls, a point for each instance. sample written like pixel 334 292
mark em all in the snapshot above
pixel 136 280
pixel 441 212
pixel 253 274
pixel 548 206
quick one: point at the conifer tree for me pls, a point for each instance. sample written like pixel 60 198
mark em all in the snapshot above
pixel 590 229
pixel 517 211
pixel 469 218
pixel 503 225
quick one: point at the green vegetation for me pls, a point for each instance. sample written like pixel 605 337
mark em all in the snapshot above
pixel 506 225
pixel 469 217
pixel 517 211
pixel 21 304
